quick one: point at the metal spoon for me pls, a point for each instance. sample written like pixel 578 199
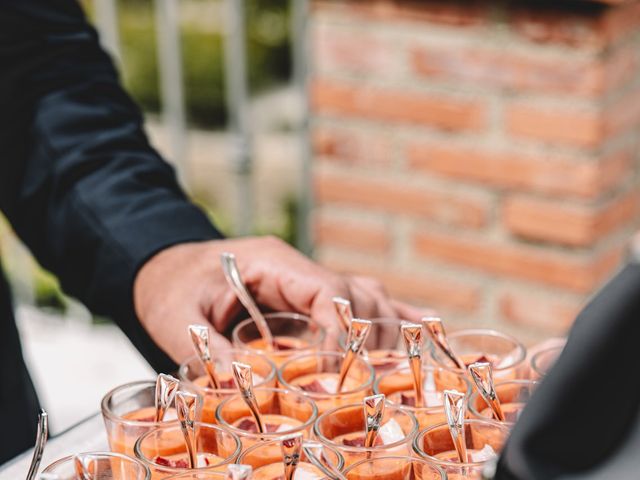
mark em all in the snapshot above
pixel 166 388
pixel 232 274
pixel 455 410
pixel 238 472
pixel 343 309
pixel 435 329
pixel 200 338
pixel 188 406
pixel 80 466
pixel 314 453
pixel 244 378
pixel 291 449
pixel 358 333
pixel 373 413
pixel 482 375
pixel 412 335
pixel 41 439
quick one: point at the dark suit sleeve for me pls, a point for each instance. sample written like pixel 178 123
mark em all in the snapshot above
pixel 78 180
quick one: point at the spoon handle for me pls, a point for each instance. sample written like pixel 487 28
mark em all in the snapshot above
pixel 41 439
pixel 244 378
pixel 373 413
pixel 482 375
pixel 200 338
pixel 291 449
pixel 232 274
pixel 343 309
pixel 435 328
pixel 358 333
pixel 187 407
pixel 455 410
pixel 412 335
pixel 166 388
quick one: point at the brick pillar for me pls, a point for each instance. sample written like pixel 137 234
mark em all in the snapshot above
pixel 478 157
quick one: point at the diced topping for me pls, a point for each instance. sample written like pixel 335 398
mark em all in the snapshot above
pixel 391 432
pixel 166 462
pixel 283 345
pixel 314 387
pixel 482 455
pixel 481 358
pixel 408 400
pixel 249 425
pixel 359 441
pixel 226 383
pixel 321 385
pixel 433 399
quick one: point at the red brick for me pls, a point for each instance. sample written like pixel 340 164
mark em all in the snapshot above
pixel 555 125
pixel 541 311
pixel 552 175
pixel 442 12
pixel 339 49
pixel 431 290
pixel 573 225
pixel 367 237
pixel 623 116
pixel 397 105
pixel 579 274
pixel 352 146
pixel 395 197
pixel 500 68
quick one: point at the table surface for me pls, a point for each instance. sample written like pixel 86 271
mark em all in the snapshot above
pixel 87 436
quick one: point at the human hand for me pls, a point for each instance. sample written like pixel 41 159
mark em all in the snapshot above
pixel 184 284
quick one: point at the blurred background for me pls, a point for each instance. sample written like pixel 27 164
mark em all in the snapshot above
pixel 479 157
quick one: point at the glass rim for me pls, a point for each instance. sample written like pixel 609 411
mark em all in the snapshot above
pixel 108 413
pixel 137 448
pixel 538 355
pixel 288 315
pixel 244 453
pixel 271 435
pixel 489 332
pixel 417 449
pixel 212 391
pixel 326 396
pixel 194 475
pixel 436 468
pixel 102 454
pixel 328 442
pixel 412 408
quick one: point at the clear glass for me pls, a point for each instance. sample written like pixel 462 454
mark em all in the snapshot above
pixel 343 428
pixel 484 440
pixel 394 468
pixel 506 354
pixel 102 465
pixel 198 476
pixel 542 361
pixel 513 397
pixel 266 460
pixel 164 451
pixel 316 375
pixel 128 412
pixel 195 378
pixel 397 385
pixel 295 334
pixel 384 348
pixel 283 411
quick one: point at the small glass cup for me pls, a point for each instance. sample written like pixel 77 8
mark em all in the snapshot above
pixel 384 348
pixel 260 457
pixel 506 354
pixel 513 397
pixel 394 468
pixel 283 412
pixel 195 378
pixel 542 361
pixel 397 385
pixel 128 412
pixel 343 428
pixel 164 451
pixel 198 476
pixel 316 376
pixel 294 334
pixel 484 440
pixel 102 465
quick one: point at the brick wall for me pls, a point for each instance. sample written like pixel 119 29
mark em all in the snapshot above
pixel 479 157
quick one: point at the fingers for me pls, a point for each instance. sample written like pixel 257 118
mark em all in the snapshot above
pixel 411 313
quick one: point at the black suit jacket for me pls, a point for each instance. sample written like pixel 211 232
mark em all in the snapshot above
pixel 78 182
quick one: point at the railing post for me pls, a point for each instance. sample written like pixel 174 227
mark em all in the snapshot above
pixel 172 90
pixel 237 98
pixel 300 54
pixel 107 23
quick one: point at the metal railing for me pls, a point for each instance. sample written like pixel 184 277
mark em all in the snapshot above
pixel 237 97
